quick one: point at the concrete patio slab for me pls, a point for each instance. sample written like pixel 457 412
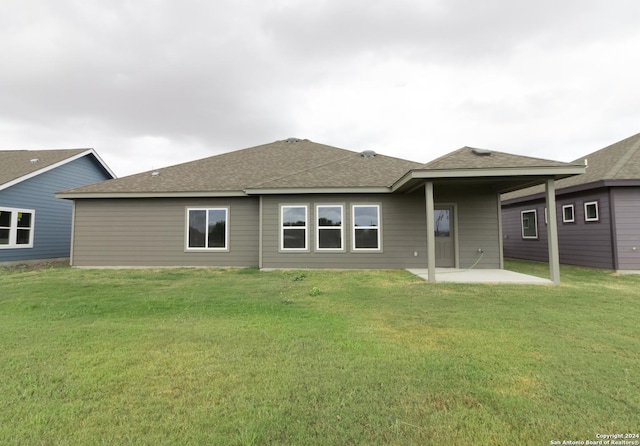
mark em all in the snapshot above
pixel 480 276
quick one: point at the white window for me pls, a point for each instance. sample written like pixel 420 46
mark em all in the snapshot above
pixel 568 214
pixel 529 224
pixel 16 228
pixel 591 211
pixel 208 229
pixel 366 227
pixel 329 235
pixel 293 232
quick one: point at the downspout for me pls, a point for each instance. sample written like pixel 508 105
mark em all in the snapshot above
pixel 613 230
pixel 260 234
pixel 73 231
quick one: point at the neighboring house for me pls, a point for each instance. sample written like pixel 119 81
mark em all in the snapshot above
pixel 598 213
pixel 298 204
pixel 34 225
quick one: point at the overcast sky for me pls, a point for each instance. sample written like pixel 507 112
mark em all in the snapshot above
pixel 151 83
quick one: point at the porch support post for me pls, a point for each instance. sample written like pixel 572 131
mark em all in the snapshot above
pixel 552 231
pixel 431 238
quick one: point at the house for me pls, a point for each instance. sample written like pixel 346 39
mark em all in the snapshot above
pixel 299 204
pixel 598 213
pixel 34 225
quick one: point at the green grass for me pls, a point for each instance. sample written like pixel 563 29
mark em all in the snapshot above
pixel 197 356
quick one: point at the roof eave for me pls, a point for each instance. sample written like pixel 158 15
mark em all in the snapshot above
pixel 180 194
pixel 318 190
pixel 555 172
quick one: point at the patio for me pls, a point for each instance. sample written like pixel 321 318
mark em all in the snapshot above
pixel 480 276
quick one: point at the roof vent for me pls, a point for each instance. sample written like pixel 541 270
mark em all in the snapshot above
pixel 481 152
pixel 34 160
pixel 155 174
pixel 367 154
pixel 292 140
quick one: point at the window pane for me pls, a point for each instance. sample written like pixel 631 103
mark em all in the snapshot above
pixel 197 228
pixel 294 216
pixel 366 238
pixel 329 216
pixel 330 238
pixel 24 220
pixel 5 219
pixel 442 228
pixel 568 213
pixel 365 216
pixel 4 236
pixel 529 228
pixel 293 238
pixel 217 225
pixel 22 237
pixel 591 210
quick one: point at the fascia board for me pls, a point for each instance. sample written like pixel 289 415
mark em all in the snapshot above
pixel 435 174
pixel 319 190
pixel 72 195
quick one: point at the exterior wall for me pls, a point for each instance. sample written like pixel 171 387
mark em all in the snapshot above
pixel 580 243
pixel 52 223
pixel 626 203
pixel 152 232
pixel 403 230
pixel 478 227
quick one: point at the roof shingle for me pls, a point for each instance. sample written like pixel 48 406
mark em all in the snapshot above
pixel 15 164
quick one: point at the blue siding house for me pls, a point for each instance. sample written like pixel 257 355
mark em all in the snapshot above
pixel 34 225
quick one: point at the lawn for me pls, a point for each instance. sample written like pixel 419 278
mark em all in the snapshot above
pixel 197 356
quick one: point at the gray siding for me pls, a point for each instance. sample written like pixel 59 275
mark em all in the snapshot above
pixel 626 203
pixel 580 243
pixel 478 226
pixel 151 232
pixel 52 216
pixel 403 230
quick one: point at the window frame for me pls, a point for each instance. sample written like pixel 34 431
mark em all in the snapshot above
pixel 305 227
pixel 573 213
pixel 586 213
pixel 355 228
pixel 206 240
pixel 13 228
pixel 535 224
pixel 320 227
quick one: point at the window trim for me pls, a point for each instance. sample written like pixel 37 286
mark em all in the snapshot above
pixel 573 213
pixel 305 227
pixel 596 206
pixel 319 227
pixel 354 228
pixel 206 248
pixel 13 228
pixel 535 224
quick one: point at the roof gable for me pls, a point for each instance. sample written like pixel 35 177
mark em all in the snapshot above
pixel 19 165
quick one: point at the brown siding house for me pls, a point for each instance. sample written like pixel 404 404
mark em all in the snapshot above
pixel 598 213
pixel 299 204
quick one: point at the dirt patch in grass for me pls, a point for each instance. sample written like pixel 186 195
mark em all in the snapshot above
pixel 35 266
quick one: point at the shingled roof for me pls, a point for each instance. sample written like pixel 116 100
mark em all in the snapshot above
pixel 473 158
pixel 18 164
pixel 619 161
pixel 288 164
